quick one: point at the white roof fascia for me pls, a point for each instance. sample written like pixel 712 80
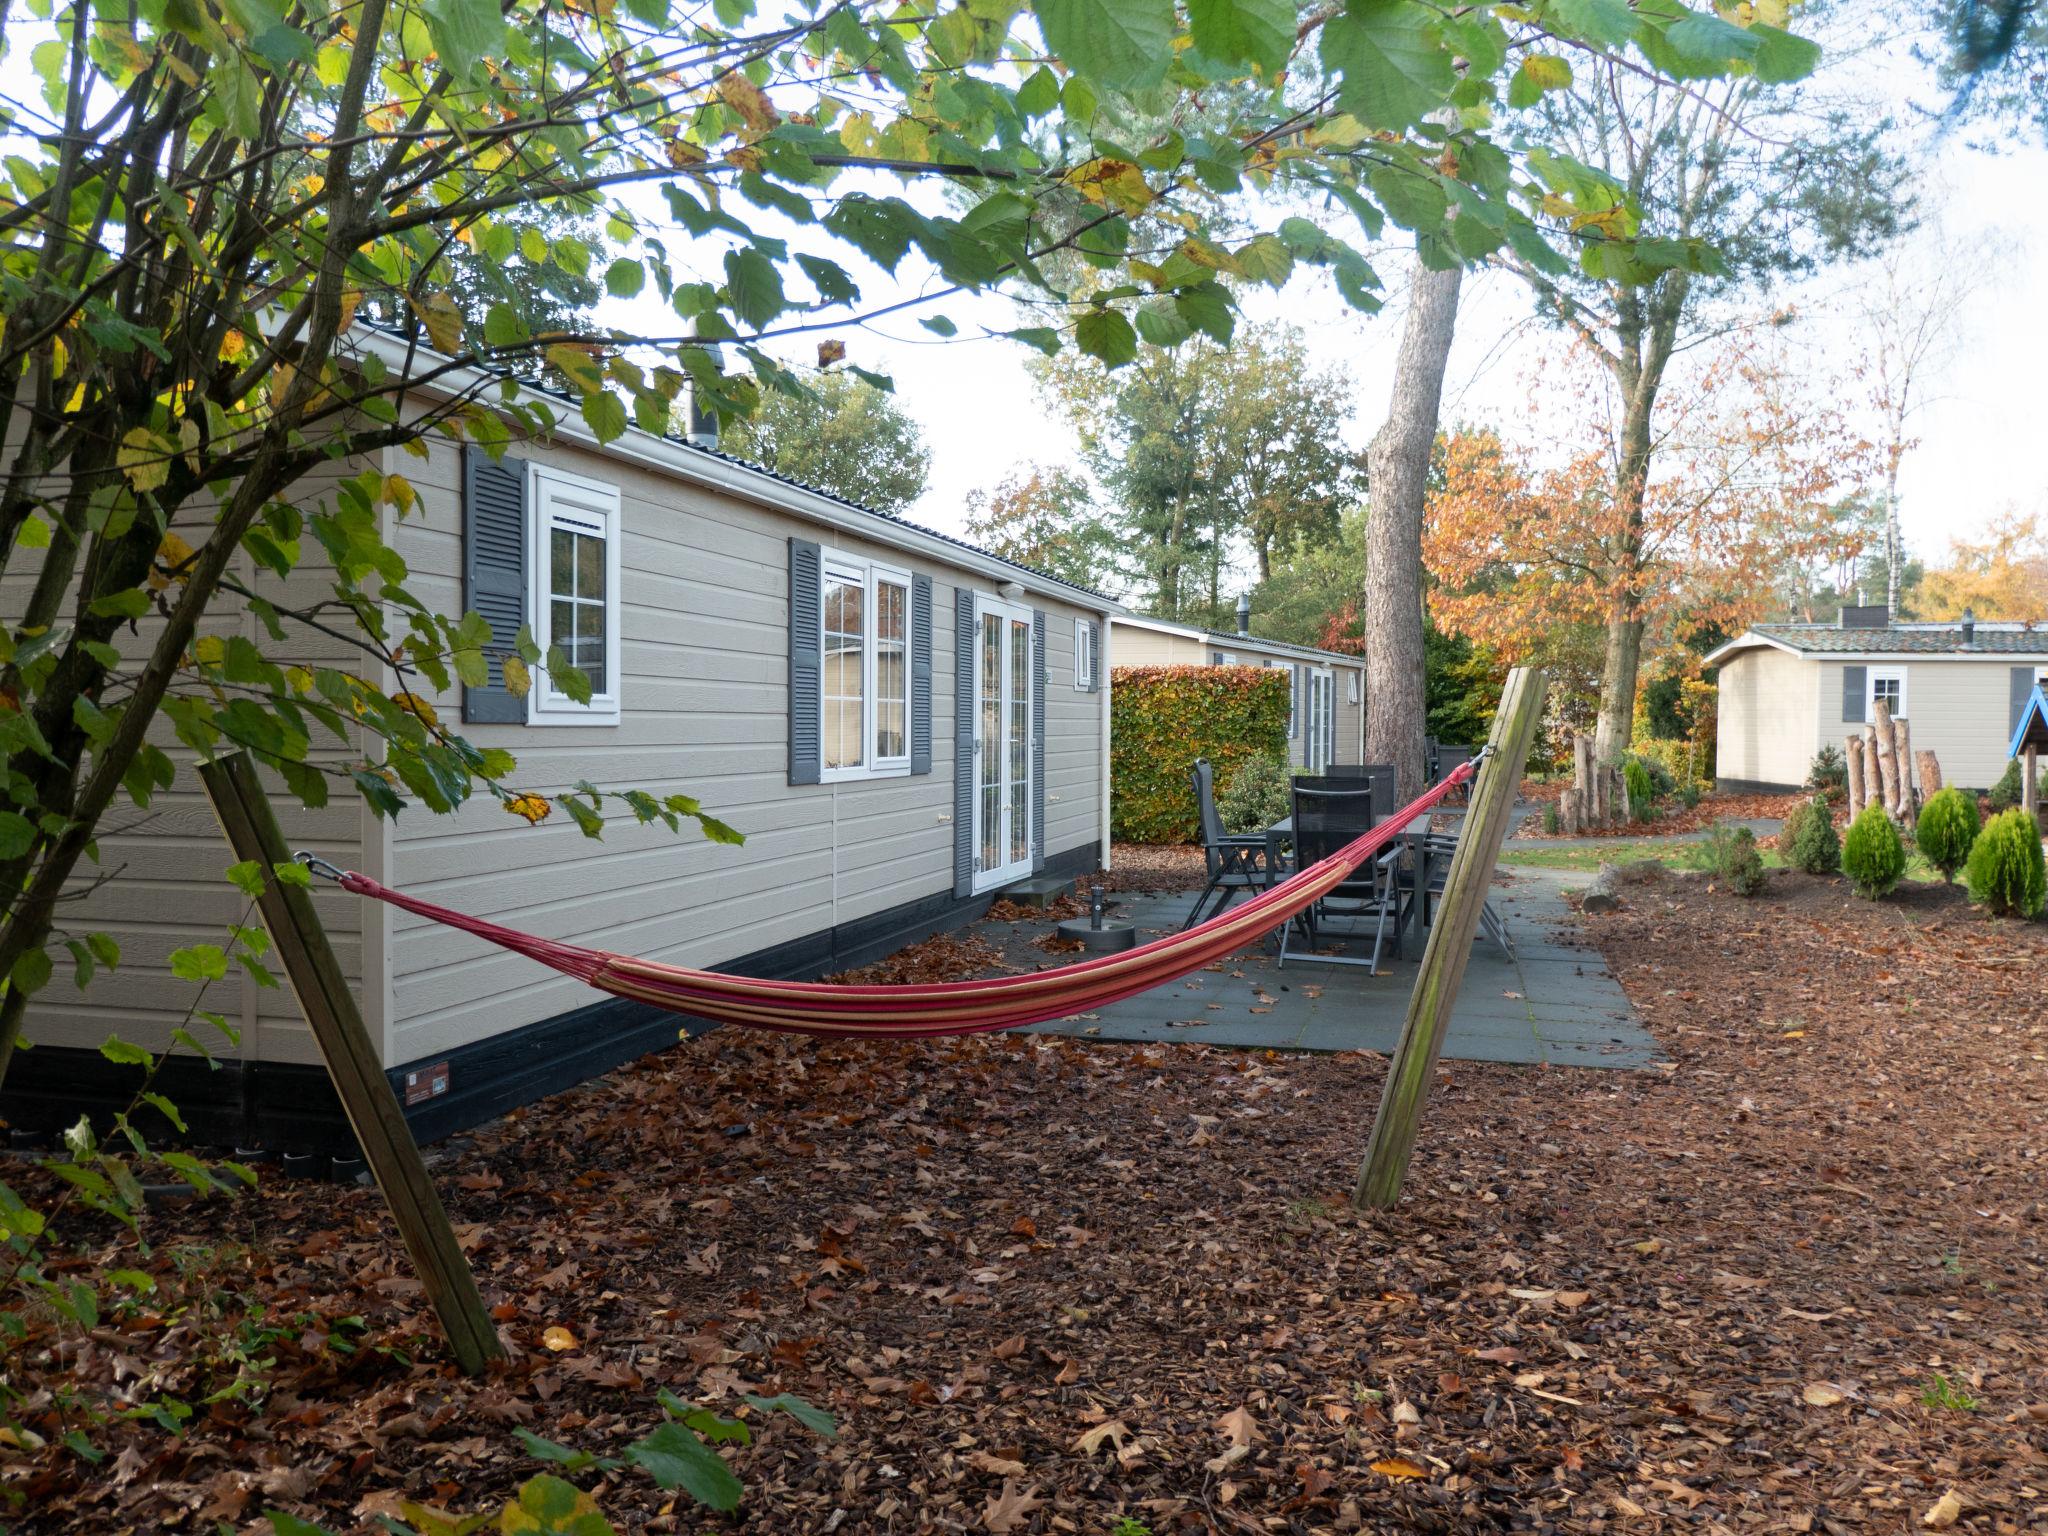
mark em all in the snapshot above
pixel 715 473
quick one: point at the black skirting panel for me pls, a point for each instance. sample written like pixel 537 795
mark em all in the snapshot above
pixel 1755 787
pixel 284 1107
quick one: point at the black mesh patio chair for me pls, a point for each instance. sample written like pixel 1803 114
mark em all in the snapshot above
pixel 1385 788
pixel 1439 847
pixel 1325 820
pixel 1237 862
pixel 1346 771
pixel 1447 761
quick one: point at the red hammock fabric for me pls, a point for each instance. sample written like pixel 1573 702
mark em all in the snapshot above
pixel 938 1008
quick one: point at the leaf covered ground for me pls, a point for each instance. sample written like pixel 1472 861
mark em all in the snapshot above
pixel 1794 1283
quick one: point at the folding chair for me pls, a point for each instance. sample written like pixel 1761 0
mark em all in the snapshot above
pixel 1237 862
pixel 1325 820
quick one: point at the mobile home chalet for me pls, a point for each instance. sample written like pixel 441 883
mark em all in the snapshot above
pixel 1326 720
pixel 900 723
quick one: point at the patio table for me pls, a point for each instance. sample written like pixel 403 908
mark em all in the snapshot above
pixel 1415 834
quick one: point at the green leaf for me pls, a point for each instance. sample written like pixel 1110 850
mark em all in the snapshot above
pixel 624 278
pixel 291 1525
pixel 939 325
pixel 754 286
pixel 1608 23
pixel 1124 44
pixel 199 962
pixel 465 33
pixel 30 973
pixel 247 876
pixel 131 604
pixel 675 1458
pixel 1105 334
pixel 606 415
pixel 812 1418
pixel 1394 69
pixel 124 1053
pixel 547 1506
pixel 504 326
pixel 1782 58
pixel 1539 72
pixel 549 1450
pixel 17 833
pixel 1257 32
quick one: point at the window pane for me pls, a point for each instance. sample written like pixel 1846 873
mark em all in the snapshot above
pixel 1019 745
pixel 892 680
pixel 562 625
pixel 589 566
pixel 561 562
pixel 590 640
pixel 842 684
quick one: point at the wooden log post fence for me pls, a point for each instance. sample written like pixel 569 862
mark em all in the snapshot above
pixel 1450 941
pixel 1858 796
pixel 352 1062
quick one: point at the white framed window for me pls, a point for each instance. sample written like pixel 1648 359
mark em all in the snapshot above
pixel 1351 687
pixel 864 682
pixel 1084 655
pixel 1294 687
pixel 1889 684
pixel 575 601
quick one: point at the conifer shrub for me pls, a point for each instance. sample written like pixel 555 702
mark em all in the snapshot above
pixel 1640 790
pixel 1260 792
pixel 1872 855
pixel 2005 794
pixel 1947 829
pixel 2006 872
pixel 1742 865
pixel 1809 838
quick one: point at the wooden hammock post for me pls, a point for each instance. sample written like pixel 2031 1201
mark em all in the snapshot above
pixel 1450 942
pixel 373 1111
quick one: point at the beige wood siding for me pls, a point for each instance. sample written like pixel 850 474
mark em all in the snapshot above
pixel 704 585
pixel 1136 646
pixel 1350 715
pixel 1960 709
pixel 1768 728
pixel 167 860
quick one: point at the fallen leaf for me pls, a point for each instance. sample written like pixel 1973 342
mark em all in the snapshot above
pixel 1400 1468
pixel 1010 1348
pixel 558 1339
pixel 1008 1508
pixel 1115 1431
pixel 1944 1512
pixel 1823 1394
pixel 1238 1425
pixel 996 1466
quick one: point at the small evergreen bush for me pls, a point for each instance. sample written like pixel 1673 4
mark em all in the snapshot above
pixel 1872 855
pixel 1946 830
pixel 1829 773
pixel 1742 866
pixel 1809 839
pixel 1259 793
pixel 1688 795
pixel 2006 871
pixel 2005 794
pixel 1552 821
pixel 1640 790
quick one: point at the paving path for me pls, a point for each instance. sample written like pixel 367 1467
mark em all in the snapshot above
pixel 1553 1003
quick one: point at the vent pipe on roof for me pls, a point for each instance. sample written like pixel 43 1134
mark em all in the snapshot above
pixel 1244 614
pixel 1969 627
pixel 703 427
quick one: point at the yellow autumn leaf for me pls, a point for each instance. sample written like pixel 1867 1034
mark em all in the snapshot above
pixel 558 1339
pixel 749 100
pixel 398 491
pixel 534 808
pixel 300 678
pixel 443 321
pixel 1400 1468
pixel 1113 183
pixel 830 352
pixel 142 459
pixel 418 707
pixel 210 650
pixel 232 346
pixel 518 681
pixel 171 554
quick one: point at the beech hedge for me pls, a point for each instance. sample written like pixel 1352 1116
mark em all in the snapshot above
pixel 1161 719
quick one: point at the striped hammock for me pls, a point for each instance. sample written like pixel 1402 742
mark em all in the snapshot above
pixel 937 1008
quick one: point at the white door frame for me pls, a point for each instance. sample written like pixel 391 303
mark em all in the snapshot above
pixel 1014 695
pixel 1322 711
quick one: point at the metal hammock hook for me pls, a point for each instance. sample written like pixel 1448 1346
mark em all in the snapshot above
pixel 318 866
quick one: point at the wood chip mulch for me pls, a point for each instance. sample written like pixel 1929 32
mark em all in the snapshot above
pixel 1794 1283
pixel 1673 818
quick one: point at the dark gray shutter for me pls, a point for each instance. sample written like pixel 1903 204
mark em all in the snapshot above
pixel 1294 708
pixel 1855 684
pixel 963 742
pixel 1094 657
pixel 806 663
pixel 2022 689
pixel 494 575
pixel 920 674
pixel 1037 739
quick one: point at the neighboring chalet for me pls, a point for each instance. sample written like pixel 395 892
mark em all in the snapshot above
pixel 1786 690
pixel 900 723
pixel 1326 723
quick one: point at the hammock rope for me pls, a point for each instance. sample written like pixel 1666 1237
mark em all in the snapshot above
pixel 932 1008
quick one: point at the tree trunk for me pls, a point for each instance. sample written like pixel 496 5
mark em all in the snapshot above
pixel 1397 471
pixel 1604 894
pixel 1902 754
pixel 1887 759
pixel 1930 774
pixel 1858 794
pixel 1618 688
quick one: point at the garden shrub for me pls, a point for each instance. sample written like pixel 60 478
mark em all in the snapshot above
pixel 1260 792
pixel 1674 763
pixel 1163 718
pixel 1640 791
pixel 1872 855
pixel 1829 773
pixel 1742 865
pixel 2005 794
pixel 1808 839
pixel 1946 830
pixel 1553 821
pixel 1688 795
pixel 2006 871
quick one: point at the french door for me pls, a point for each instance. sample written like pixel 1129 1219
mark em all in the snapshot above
pixel 1002 742
pixel 1322 720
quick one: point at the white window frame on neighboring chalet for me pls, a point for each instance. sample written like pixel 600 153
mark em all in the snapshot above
pixel 587 508
pixel 1873 676
pixel 870 577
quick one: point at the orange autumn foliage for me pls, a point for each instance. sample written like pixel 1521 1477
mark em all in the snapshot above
pixel 2002 576
pixel 1746 470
